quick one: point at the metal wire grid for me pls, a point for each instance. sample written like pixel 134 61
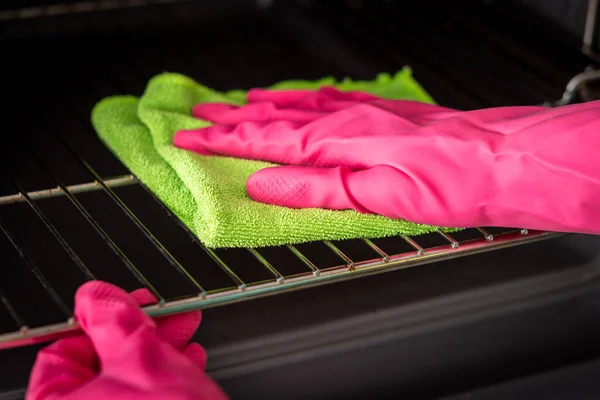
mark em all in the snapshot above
pixel 238 289
pixel 275 277
pixel 75 7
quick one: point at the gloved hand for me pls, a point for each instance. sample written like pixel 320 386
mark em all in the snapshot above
pixel 123 354
pixel 528 167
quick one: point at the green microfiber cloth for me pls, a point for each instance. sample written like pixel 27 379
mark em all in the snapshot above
pixel 208 192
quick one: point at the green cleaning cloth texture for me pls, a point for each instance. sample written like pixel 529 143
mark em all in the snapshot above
pixel 208 193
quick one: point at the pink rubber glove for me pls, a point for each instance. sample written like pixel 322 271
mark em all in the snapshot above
pixel 124 354
pixel 528 167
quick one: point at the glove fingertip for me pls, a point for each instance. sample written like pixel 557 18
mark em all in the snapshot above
pixel 304 187
pixel 178 329
pixel 330 90
pixel 93 292
pixel 143 297
pixel 352 96
pixel 255 95
pixel 190 140
pixel 211 111
pixel 283 186
pixel 196 354
pixel 101 307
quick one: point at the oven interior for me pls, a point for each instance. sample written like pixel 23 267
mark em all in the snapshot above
pixel 475 307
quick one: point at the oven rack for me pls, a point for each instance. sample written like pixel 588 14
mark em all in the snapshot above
pixel 238 290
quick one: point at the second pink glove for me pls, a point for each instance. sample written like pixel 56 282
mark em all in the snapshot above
pixel 528 167
pixel 123 354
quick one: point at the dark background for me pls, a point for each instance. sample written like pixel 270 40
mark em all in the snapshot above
pixel 517 323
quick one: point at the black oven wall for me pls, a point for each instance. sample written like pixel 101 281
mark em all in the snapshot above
pixel 569 14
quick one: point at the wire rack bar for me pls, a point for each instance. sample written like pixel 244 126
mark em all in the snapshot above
pixel 316 271
pixel 113 246
pixel 13 313
pixel 79 7
pixel 36 272
pixel 232 275
pixel 377 250
pixel 64 244
pixel 118 181
pixel 453 242
pixel 340 254
pixel 413 244
pixel 488 236
pixel 340 273
pixel 241 285
pixel 166 254
pixel 278 276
